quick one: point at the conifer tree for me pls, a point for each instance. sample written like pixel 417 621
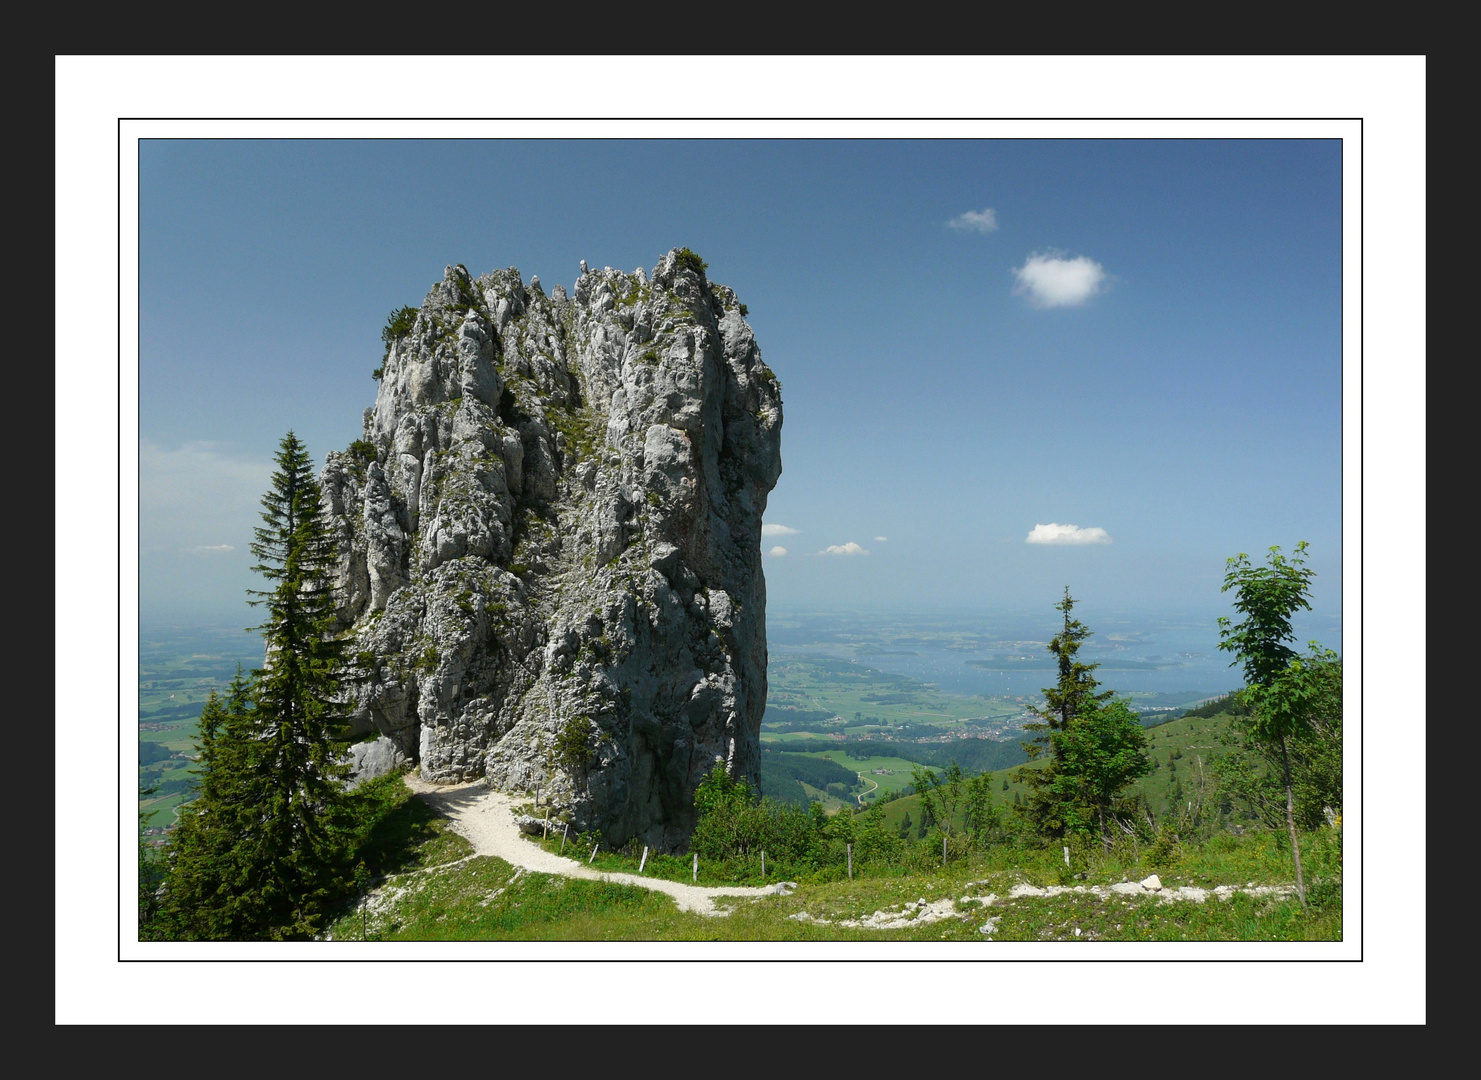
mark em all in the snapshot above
pixel 265 847
pixel 1097 745
pixel 205 895
pixel 1053 803
pixel 302 845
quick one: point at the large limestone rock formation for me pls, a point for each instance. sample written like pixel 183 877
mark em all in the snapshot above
pixel 551 541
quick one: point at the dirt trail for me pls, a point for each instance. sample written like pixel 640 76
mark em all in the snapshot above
pixel 485 818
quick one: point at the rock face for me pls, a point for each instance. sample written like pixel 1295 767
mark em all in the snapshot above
pixel 550 540
pixel 374 758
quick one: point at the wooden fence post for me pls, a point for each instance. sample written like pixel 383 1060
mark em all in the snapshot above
pixel 644 860
pixel 849 848
pixel 593 853
pixel 564 833
pixel 546 831
pixel 1067 856
pixel 696 867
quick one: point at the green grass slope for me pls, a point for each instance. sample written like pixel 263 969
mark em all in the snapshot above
pixel 429 890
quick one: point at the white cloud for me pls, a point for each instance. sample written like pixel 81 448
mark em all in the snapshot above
pixel 778 550
pixel 210 549
pixel 1054 533
pixel 778 530
pixel 193 495
pixel 1051 280
pixel 983 221
pixel 850 548
pixel 881 539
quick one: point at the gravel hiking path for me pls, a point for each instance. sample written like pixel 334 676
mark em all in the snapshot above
pixel 485 818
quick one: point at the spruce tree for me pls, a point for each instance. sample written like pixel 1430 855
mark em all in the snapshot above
pixel 266 845
pixel 206 895
pixel 1055 803
pixel 302 849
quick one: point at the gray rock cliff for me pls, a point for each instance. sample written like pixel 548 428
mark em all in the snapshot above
pixel 550 541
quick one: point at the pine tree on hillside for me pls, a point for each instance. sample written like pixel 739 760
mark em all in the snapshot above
pixel 1097 746
pixel 265 848
pixel 1076 688
pixel 303 849
pixel 205 896
pixel 1052 803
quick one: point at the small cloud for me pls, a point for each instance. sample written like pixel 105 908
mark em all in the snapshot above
pixel 981 221
pixel 881 539
pixel 778 530
pixel 778 551
pixel 1051 280
pixel 1054 533
pixel 850 548
pixel 210 549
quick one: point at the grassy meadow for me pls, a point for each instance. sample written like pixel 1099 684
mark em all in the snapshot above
pixel 430 890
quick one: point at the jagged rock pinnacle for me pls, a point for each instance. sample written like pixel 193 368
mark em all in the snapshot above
pixel 551 568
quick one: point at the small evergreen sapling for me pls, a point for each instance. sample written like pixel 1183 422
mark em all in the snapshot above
pixel 1096 745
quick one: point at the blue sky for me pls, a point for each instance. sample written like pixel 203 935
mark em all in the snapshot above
pixel 975 338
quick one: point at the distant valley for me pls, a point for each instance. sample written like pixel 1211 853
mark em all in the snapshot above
pixel 844 722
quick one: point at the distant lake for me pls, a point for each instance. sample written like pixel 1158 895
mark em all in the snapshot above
pixel 1000 654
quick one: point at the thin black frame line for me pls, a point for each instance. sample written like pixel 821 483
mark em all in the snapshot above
pixel 1341 420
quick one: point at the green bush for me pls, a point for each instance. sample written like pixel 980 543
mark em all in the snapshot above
pixel 734 827
pixel 688 260
pixel 573 747
pixel 1165 850
pixel 362 451
pixel 398 325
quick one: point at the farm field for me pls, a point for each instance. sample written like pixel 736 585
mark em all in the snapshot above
pixel 827 695
pixel 178 668
pixel 891 774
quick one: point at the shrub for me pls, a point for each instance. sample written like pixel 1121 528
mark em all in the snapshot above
pixel 688 260
pixel 734 827
pixel 573 743
pixel 398 325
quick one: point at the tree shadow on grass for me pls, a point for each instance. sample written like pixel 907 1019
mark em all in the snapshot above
pixel 396 841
